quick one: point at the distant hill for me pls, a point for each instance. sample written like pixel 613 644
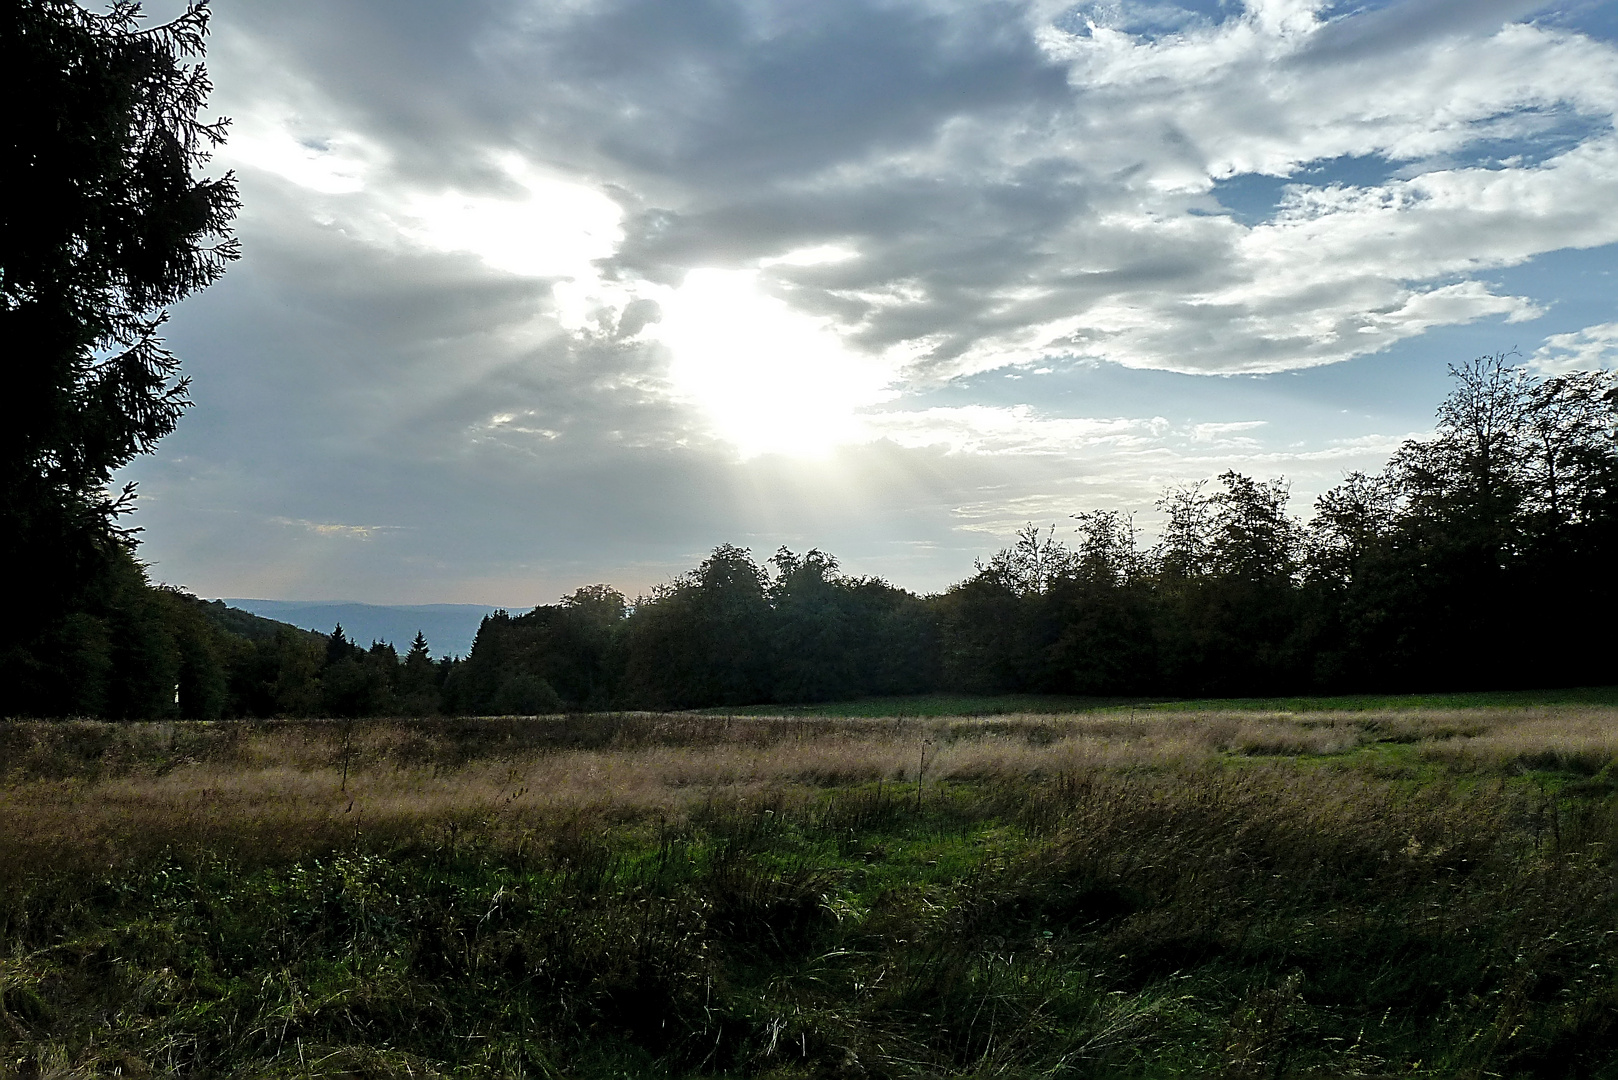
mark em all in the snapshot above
pixel 450 628
pixel 236 621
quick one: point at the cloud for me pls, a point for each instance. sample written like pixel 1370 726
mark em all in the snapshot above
pixel 1223 431
pixel 1002 183
pixel 336 529
pixel 548 285
pixel 1018 429
pixel 1593 348
pixel 1410 24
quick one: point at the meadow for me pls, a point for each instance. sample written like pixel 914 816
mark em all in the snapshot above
pixel 1367 887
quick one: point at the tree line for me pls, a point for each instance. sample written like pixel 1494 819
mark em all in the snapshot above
pixel 1481 557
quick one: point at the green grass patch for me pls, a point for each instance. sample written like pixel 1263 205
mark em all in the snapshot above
pixel 1124 927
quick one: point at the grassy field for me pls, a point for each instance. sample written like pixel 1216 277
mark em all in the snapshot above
pixel 1367 890
pixel 938 705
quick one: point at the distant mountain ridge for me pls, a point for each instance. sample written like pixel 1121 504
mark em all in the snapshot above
pixel 449 628
pixel 243 623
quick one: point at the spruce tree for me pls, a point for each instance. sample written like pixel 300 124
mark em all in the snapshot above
pixel 105 220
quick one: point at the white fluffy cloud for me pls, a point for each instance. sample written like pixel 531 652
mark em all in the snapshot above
pixel 1150 271
pixel 1590 349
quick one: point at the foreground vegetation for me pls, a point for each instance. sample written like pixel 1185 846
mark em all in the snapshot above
pixel 1239 893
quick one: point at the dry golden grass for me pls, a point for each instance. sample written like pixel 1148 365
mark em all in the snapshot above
pixel 1570 740
pixel 1092 888
pixel 99 795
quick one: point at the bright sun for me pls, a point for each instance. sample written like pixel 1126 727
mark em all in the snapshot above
pixel 766 378
pixel 769 379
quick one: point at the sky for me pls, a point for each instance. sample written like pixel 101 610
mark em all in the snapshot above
pixel 540 294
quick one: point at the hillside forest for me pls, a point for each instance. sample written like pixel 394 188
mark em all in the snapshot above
pixel 1479 557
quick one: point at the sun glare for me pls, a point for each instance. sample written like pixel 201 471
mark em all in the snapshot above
pixel 766 378
pixel 769 379
pixel 270 139
pixel 554 229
